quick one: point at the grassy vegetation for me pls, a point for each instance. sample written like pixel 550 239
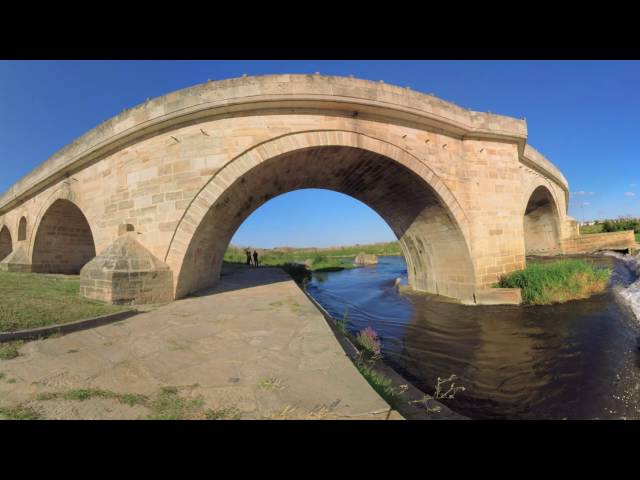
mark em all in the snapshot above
pixel 82 394
pixel 300 262
pixel 557 282
pixel 321 258
pixel 381 384
pixel 370 351
pixel 37 300
pixel 19 412
pixel 275 258
pixel 168 404
pixel 9 350
pixel 272 383
pixel 586 229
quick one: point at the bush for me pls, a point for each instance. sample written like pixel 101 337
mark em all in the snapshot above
pixel 621 225
pixel 369 341
pixel 557 282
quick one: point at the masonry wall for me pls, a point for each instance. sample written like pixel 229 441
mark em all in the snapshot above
pixel 599 241
pixel 151 182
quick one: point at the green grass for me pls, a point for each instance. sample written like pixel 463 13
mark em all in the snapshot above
pixel 323 258
pixel 557 282
pixel 168 404
pixel 272 383
pixel 380 383
pixel 19 413
pixel 30 300
pixel 292 260
pixel 82 394
pixel 343 324
pixel 9 350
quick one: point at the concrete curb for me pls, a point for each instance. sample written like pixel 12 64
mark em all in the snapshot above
pixel 65 328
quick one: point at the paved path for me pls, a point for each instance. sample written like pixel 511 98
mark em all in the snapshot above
pixel 254 343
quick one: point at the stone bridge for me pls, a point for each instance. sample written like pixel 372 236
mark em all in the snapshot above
pixel 158 191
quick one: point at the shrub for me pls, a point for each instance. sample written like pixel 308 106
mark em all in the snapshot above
pixel 369 341
pixel 621 224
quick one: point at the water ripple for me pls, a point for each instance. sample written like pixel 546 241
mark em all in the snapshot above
pixel 575 360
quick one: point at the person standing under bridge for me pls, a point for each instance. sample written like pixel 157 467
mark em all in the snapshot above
pixel 256 263
pixel 248 254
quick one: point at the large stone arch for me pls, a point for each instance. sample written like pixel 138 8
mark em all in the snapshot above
pixel 63 241
pixel 6 242
pixel 542 222
pixel 419 208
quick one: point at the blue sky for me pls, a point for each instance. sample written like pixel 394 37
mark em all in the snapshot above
pixel 582 115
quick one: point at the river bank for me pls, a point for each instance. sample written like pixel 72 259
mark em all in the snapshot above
pixel 324 257
pixel 573 360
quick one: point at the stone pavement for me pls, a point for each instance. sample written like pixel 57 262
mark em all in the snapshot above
pixel 254 343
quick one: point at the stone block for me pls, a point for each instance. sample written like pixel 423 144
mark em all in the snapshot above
pixel 127 273
pixel 16 261
pixel 499 296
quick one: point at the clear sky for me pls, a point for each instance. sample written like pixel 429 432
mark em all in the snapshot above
pixel 582 115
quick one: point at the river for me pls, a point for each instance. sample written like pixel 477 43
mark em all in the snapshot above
pixel 576 360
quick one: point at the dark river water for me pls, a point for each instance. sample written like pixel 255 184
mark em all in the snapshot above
pixel 576 360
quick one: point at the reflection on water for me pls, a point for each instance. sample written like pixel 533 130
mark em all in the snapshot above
pixel 575 360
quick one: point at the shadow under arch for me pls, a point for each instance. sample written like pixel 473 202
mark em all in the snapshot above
pixel 63 242
pixel 541 223
pixel 400 188
pixel 6 243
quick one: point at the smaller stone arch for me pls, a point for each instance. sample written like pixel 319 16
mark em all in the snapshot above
pixel 63 242
pixel 22 229
pixel 542 227
pixel 61 193
pixel 6 243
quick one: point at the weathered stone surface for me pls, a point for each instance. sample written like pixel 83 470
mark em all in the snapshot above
pixel 365 259
pixel 499 296
pixel 16 261
pixel 599 241
pixel 465 194
pixel 127 273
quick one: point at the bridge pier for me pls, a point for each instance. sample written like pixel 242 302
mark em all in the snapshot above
pixel 126 273
pixel 16 261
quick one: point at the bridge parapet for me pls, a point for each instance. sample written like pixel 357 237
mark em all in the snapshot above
pixel 256 93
